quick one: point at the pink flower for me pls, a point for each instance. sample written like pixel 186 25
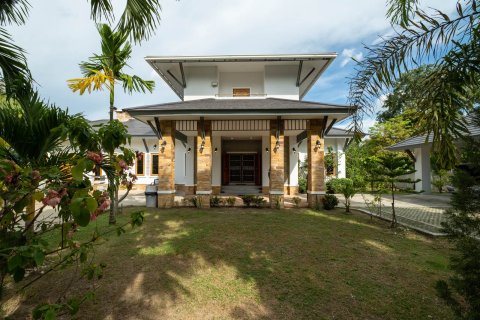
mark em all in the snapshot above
pixel 9 179
pixel 95 157
pixel 123 164
pixel 52 198
pixel 36 175
pixel 93 216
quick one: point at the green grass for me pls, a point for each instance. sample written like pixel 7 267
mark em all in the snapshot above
pixel 260 264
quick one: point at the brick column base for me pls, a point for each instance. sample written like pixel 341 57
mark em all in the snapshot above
pixel 166 201
pixel 277 201
pixel 315 201
pixel 204 200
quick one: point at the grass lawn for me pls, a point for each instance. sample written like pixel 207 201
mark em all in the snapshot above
pixel 260 264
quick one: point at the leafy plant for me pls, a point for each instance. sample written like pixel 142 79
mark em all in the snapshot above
pixel 215 201
pixel 297 201
pixel 329 201
pixel 231 201
pixel 196 202
pixel 345 187
pixel 462 226
pixel 302 185
pixel 247 200
pixel 253 201
pixel 440 180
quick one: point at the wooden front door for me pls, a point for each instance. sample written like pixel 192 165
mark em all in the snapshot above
pixel 242 168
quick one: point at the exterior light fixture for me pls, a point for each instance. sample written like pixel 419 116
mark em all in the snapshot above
pixel 216 149
pixel 266 150
pixel 155 146
pixel 189 149
pixel 202 146
pixel 277 144
pixel 294 150
pixel 318 143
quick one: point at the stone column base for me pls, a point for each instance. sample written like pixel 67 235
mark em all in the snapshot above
pixel 265 190
pixel 166 200
pixel 276 201
pixel 204 200
pixel 315 200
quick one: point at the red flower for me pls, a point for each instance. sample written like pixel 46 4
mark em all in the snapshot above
pixel 95 157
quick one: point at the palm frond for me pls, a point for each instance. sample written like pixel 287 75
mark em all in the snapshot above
pixel 140 19
pixel 101 9
pixel 401 11
pixel 95 82
pixel 13 11
pixel 13 64
pixel 431 38
pixel 137 84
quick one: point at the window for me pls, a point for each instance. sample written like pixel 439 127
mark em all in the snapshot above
pixel 241 92
pixel 154 165
pixel 140 166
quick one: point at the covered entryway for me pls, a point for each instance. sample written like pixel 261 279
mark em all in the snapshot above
pixel 242 168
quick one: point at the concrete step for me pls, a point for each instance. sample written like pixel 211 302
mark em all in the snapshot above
pixel 241 190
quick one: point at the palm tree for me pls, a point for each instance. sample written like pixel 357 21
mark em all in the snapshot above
pixel 31 134
pixel 105 70
pixel 139 20
pixel 452 44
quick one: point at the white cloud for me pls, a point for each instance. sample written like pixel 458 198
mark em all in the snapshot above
pixel 349 55
pixel 59 34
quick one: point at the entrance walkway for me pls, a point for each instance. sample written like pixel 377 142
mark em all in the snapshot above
pixel 422 212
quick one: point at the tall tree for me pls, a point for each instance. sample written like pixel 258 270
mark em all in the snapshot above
pixel 452 43
pixel 105 70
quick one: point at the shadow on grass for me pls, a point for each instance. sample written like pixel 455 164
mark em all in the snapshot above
pixel 263 264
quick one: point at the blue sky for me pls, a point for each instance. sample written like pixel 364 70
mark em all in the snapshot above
pixel 59 34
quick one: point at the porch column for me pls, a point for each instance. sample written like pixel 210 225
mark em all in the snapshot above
pixel 166 165
pixel 217 165
pixel 316 166
pixel 277 163
pixel 423 170
pixel 265 163
pixel 204 162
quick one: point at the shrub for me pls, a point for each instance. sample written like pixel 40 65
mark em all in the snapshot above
pixel 196 201
pixel 330 188
pixel 346 187
pixel 330 201
pixel 297 201
pixel 302 185
pixel 215 201
pixel 230 201
pixel 440 180
pixel 253 201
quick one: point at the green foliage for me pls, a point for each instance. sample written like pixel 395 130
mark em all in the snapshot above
pixel 390 171
pixel 440 180
pixel 302 185
pixel 253 201
pixel 230 201
pixel 196 202
pixel 329 186
pixel 330 201
pixel 347 188
pixel 297 201
pixel 462 290
pixel 449 90
pixel 215 201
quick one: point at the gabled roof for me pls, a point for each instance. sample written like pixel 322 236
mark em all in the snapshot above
pixel 410 143
pixel 310 66
pixel 268 106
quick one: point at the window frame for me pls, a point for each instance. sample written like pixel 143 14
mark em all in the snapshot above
pixel 151 164
pixel 143 165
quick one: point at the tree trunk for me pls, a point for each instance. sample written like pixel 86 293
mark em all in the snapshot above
pixel 394 216
pixel 111 180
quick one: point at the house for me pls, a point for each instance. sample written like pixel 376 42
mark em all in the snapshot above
pixel 241 122
pixel 419 149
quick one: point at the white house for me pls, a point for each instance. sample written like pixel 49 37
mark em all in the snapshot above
pixel 419 149
pixel 241 121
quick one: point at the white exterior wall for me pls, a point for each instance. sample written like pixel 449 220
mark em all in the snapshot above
pixel 280 82
pixel 199 83
pixel 341 159
pixel 422 165
pixel 265 161
pixel 231 80
pixel 293 161
pixel 180 173
pixel 217 161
